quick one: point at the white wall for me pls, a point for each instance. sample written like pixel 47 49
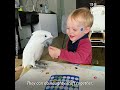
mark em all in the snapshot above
pixel 69 6
pixel 52 5
pixel 61 7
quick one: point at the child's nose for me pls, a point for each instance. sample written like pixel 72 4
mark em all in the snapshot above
pixel 70 31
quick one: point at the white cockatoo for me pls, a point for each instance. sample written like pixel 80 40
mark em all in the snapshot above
pixel 35 46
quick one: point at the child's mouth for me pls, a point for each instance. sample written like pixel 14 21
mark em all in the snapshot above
pixel 71 36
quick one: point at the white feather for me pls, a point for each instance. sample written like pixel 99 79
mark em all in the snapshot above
pixel 35 46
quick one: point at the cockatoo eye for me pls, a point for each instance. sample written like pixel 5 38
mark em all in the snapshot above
pixel 45 36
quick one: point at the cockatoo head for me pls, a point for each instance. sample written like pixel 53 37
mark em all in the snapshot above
pixel 46 37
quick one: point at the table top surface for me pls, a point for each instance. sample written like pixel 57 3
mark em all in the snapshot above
pixel 87 73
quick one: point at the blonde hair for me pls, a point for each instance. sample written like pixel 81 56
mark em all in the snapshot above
pixel 83 16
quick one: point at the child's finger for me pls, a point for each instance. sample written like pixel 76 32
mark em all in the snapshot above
pixel 50 47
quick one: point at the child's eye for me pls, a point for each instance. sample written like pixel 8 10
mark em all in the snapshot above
pixel 67 28
pixel 74 30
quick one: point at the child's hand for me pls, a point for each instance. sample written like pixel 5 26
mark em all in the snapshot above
pixel 54 52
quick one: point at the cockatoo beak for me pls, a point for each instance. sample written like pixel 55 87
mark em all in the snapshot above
pixel 51 36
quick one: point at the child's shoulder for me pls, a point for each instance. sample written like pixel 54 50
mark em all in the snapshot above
pixel 85 40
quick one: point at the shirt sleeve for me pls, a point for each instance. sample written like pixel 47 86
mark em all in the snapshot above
pixel 80 56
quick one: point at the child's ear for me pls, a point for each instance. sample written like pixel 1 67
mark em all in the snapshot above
pixel 87 30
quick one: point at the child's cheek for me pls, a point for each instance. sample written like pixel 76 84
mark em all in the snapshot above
pixel 78 36
pixel 68 31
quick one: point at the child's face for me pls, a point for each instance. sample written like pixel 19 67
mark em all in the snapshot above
pixel 74 30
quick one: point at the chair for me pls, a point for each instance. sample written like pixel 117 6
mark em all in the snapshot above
pixel 63 27
pixel 98 26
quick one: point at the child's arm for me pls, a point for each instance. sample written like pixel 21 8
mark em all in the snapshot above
pixel 83 55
